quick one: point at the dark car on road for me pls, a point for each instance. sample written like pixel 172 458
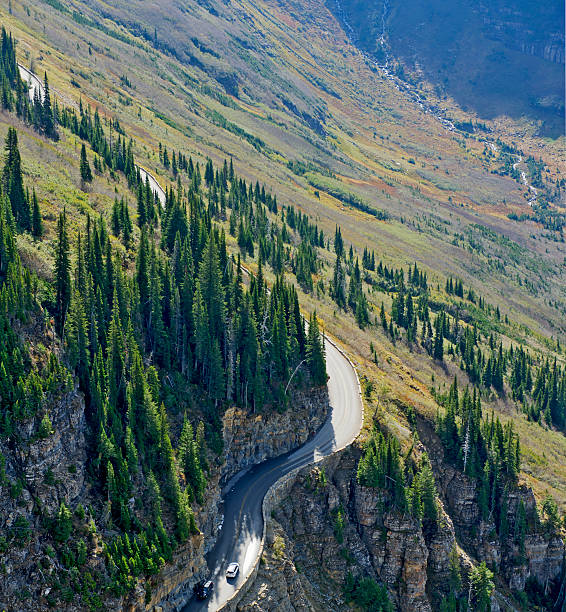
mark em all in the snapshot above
pixel 203 589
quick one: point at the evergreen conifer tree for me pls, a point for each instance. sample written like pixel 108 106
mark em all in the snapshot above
pixel 338 283
pixel 47 119
pixel 62 275
pixel 315 352
pixel 86 172
pixel 36 220
pixel 13 182
pixel 482 586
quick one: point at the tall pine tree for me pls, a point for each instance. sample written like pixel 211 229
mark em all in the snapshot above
pixel 62 273
pixel 86 172
pixel 13 182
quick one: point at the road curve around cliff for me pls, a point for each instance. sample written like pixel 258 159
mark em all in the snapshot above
pixel 240 537
pixel 241 534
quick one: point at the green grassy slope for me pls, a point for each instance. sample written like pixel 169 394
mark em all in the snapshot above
pixel 271 83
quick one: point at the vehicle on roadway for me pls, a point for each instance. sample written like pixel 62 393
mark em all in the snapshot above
pixel 203 589
pixel 232 570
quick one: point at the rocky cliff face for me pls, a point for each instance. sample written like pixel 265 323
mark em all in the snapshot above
pixel 327 525
pixel 253 438
pixel 173 586
pixel 52 467
pixel 314 553
pixel 41 472
pixel 544 553
pixel 534 29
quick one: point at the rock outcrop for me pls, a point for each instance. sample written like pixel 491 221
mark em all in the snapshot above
pixel 330 525
pixel 41 471
pixel 52 465
pixel 544 553
pixel 173 586
pixel 290 591
pixel 253 438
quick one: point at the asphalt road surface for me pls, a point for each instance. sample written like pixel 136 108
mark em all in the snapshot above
pixel 154 185
pixel 240 536
pixel 32 81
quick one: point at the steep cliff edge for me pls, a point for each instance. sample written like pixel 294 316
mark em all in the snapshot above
pixel 252 438
pixel 329 526
pixel 44 471
pixel 329 530
pixel 41 470
pixel 540 555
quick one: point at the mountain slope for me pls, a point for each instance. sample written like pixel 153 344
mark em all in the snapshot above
pixel 433 209
pixel 497 58
pixel 369 154
pixel 440 227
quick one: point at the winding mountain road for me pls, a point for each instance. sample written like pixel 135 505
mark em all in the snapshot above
pixel 242 530
pixel 154 185
pixel 241 534
pixel 34 83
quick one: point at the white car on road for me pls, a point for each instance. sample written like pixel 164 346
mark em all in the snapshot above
pixel 232 570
